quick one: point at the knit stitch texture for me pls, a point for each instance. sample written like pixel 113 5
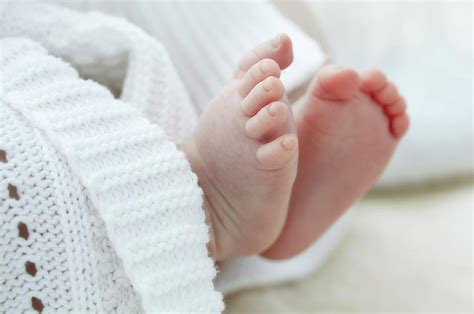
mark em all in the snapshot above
pixel 99 211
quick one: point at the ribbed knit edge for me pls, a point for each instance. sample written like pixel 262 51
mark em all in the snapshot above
pixel 111 51
pixel 162 245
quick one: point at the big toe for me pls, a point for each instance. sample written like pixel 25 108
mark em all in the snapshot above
pixel 279 49
pixel 373 81
pixel 335 83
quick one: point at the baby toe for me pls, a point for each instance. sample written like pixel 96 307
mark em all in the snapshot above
pixel 279 49
pixel 268 122
pixel 257 73
pixel 279 153
pixel 373 80
pixel 396 108
pixel 269 90
pixel 387 95
pixel 335 83
pixel 399 125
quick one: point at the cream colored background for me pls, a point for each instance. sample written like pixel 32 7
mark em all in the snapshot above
pixel 405 252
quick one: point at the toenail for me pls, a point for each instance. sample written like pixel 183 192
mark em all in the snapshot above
pixel 275 42
pixel 265 67
pixel 287 143
pixel 273 110
pixel 267 85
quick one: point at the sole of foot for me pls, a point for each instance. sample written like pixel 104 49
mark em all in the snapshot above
pixel 245 153
pixel 348 126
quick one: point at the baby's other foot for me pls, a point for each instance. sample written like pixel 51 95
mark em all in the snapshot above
pixel 348 127
pixel 245 152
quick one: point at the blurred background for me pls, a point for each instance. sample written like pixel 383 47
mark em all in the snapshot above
pixel 408 245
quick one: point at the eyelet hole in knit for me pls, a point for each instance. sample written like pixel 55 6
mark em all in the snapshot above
pixel 30 268
pixel 13 192
pixel 37 304
pixel 23 231
pixel 3 156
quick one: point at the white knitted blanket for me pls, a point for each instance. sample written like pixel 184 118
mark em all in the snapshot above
pixel 99 212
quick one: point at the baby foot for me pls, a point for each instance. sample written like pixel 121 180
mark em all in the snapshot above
pixel 348 127
pixel 245 152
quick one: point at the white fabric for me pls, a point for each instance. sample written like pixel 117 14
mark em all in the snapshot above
pixel 255 271
pixel 206 40
pixel 112 207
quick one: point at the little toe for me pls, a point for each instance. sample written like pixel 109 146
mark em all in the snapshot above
pixel 279 153
pixel 335 83
pixel 399 125
pixel 257 73
pixel 268 122
pixel 269 90
pixel 373 81
pixel 279 49
pixel 387 95
pixel 396 108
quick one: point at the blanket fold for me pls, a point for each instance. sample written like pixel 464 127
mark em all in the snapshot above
pixel 121 198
